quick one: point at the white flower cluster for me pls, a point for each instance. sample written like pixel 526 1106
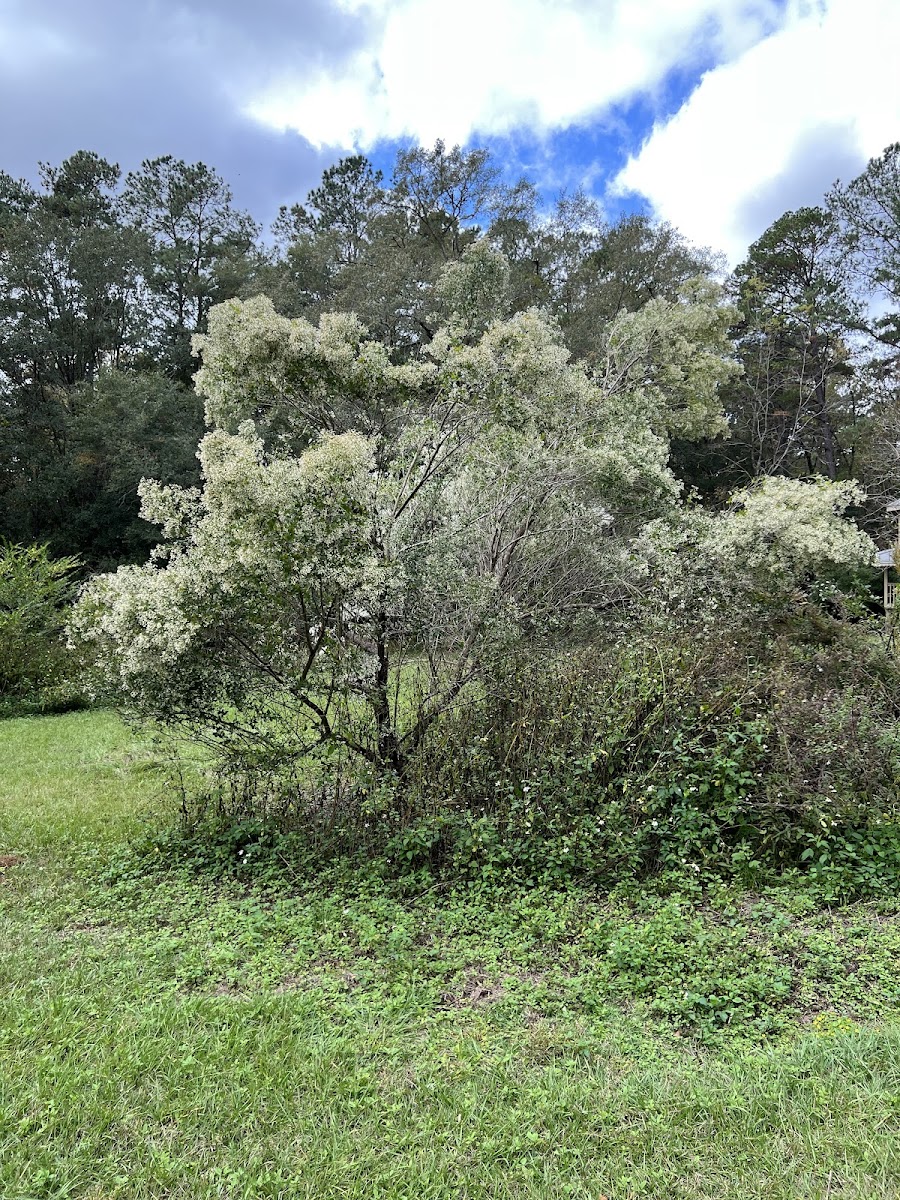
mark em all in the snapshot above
pixel 792 528
pixel 774 537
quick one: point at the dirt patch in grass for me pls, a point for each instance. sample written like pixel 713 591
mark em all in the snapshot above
pixel 474 992
pixel 313 982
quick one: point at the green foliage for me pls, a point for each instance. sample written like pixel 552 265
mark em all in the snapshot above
pixel 340 211
pixel 868 210
pixel 34 592
pixel 777 751
pixel 698 973
pixel 474 291
pixel 68 307
pixel 632 262
pixel 590 764
pixel 196 249
pixel 69 270
pixel 794 411
pixel 83 413
pixel 116 430
pixel 768 757
pixel 672 357
pixel 445 190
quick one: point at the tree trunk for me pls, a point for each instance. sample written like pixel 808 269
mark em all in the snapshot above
pixel 388 749
pixel 828 439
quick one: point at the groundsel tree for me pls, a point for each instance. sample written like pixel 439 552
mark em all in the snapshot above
pixel 367 535
pixel 767 551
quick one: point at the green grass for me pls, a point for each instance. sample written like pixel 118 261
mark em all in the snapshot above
pixel 163 1034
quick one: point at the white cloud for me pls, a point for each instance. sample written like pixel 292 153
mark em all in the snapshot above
pixel 773 128
pixel 489 67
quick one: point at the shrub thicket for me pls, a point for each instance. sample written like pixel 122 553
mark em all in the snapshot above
pixel 36 670
pixel 757 752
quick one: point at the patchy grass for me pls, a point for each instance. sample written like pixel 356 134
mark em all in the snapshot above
pixel 168 1035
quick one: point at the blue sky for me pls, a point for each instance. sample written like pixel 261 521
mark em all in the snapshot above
pixel 716 115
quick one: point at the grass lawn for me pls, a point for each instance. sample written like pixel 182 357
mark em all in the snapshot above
pixel 166 1035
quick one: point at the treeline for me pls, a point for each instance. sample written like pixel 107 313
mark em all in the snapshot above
pixel 104 280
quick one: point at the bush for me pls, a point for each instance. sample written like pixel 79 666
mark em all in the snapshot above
pixel 760 755
pixel 595 762
pixel 762 751
pixel 35 669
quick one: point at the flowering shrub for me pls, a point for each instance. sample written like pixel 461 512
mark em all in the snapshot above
pixel 366 533
pixel 778 542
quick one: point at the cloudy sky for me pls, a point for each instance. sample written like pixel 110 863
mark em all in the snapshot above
pixel 716 115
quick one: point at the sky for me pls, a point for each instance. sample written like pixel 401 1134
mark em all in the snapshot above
pixel 714 115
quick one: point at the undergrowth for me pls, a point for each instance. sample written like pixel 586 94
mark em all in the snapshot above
pixel 776 756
